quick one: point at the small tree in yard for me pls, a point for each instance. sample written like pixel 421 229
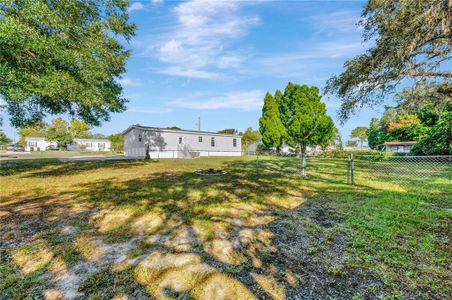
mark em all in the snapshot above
pixel 58 131
pixel 360 133
pixel 352 144
pixel 117 142
pixel 250 136
pixel 3 138
pixel 270 125
pixel 304 116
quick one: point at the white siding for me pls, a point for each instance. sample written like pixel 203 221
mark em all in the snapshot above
pixel 167 143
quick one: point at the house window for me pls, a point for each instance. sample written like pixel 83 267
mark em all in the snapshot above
pixel 140 137
pixel 101 146
pixel 212 142
pixel 32 144
pixel 89 145
pixel 200 139
pixel 180 140
pixel 234 142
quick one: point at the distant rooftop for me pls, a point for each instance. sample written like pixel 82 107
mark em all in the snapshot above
pixel 176 130
pixel 399 143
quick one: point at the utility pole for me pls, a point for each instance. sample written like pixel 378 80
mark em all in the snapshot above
pixel 199 124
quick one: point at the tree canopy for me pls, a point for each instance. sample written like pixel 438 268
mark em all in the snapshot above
pixel 410 40
pixel 117 142
pixel 3 138
pixel 250 136
pixel 360 133
pixel 63 57
pixel 304 117
pixel 270 125
pixel 228 131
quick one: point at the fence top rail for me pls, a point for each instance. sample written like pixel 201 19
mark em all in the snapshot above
pixel 405 156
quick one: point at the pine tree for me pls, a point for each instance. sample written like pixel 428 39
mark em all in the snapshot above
pixel 270 125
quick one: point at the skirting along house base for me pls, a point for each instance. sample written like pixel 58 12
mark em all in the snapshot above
pixel 172 143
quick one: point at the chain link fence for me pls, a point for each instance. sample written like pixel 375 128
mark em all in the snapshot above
pixel 363 170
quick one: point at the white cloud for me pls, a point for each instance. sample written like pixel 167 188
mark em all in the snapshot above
pixel 149 110
pixel 135 6
pixel 342 21
pixel 130 82
pixel 244 101
pixel 196 46
pixel 157 2
pixel 192 73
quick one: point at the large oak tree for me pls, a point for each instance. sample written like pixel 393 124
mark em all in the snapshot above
pixel 411 40
pixel 63 56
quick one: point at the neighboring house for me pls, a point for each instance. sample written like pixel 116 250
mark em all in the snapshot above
pixel 173 143
pixel 41 144
pixel 90 145
pixel 399 147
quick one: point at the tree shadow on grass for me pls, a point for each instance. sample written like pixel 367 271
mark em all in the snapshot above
pixel 53 167
pixel 248 233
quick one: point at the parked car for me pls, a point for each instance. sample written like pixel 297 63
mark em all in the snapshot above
pixel 15 148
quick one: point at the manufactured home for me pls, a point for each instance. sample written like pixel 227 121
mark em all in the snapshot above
pixel 175 143
pixel 41 144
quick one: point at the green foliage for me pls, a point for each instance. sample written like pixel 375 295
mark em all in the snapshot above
pixel 63 57
pixel 336 139
pixel 117 142
pixel 174 128
pixel 304 117
pixel 36 130
pixel 270 125
pixel 229 131
pixel 59 132
pixel 250 136
pixel 375 135
pixel 3 138
pixel 438 141
pixel 411 39
pixel 78 128
pixel 351 143
pixel 360 133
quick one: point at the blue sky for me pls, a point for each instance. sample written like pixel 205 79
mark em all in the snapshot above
pixel 216 60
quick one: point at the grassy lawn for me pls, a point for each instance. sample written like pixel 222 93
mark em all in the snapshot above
pixel 154 229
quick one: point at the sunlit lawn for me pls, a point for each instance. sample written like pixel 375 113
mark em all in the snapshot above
pixel 155 229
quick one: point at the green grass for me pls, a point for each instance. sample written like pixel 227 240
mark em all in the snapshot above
pixel 257 231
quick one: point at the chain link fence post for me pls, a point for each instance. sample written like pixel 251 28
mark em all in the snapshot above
pixel 303 165
pixel 352 170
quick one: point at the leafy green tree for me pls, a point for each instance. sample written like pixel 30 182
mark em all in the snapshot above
pixel 174 128
pixel 250 136
pixel 37 130
pixel 117 142
pixel 351 143
pixel 63 57
pixel 375 134
pixel 270 125
pixel 3 138
pixel 360 133
pixel 97 136
pixel 336 139
pixel 79 129
pixel 439 139
pixel 278 98
pixel 304 117
pixel 410 40
pixel 58 131
pixel 228 131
